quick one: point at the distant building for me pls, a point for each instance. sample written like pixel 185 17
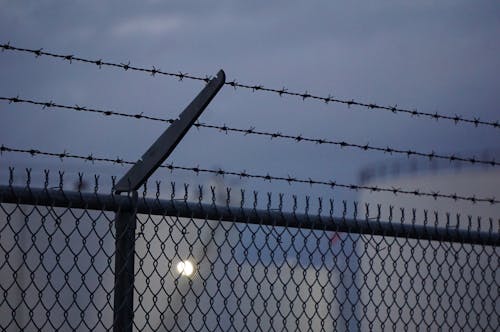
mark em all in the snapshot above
pixel 409 282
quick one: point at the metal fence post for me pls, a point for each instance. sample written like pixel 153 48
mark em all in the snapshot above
pixel 137 175
pixel 123 309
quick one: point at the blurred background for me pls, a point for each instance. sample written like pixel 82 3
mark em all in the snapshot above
pixel 430 56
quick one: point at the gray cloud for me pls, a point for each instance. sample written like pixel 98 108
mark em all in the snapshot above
pixel 433 56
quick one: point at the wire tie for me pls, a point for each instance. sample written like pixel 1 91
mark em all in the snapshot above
pixel 62 155
pixel 125 66
pixel 250 131
pixel 181 75
pixel 275 135
pixel 233 83
pixel 14 99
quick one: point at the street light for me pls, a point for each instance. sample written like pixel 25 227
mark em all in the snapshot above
pixel 185 268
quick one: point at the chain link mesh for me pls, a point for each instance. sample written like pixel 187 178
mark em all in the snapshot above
pixel 55 268
pixel 228 272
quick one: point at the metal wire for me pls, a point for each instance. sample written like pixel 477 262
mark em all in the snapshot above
pixel 476 121
pixel 273 135
pixel 50 104
pixel 252 270
pixel 289 179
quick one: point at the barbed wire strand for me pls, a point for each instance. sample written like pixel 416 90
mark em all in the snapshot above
pixel 289 179
pixel 77 108
pixel 476 121
pixel 252 131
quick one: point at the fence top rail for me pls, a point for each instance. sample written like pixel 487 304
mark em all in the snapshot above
pixel 270 217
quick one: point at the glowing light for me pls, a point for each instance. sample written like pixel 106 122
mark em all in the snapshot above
pixel 185 268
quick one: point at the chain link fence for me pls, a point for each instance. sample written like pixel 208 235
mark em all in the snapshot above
pixel 203 264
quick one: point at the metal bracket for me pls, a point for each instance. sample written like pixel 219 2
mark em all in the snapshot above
pixel 166 143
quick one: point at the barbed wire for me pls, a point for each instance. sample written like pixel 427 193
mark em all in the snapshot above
pixel 476 121
pixel 252 131
pixel 50 104
pixel 244 174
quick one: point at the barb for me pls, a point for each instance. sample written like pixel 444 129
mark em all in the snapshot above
pixel 220 172
pixel 456 119
pixel 252 131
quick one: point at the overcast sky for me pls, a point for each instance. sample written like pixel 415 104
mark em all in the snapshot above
pixel 436 56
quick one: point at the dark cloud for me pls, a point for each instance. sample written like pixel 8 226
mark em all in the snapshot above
pixel 433 56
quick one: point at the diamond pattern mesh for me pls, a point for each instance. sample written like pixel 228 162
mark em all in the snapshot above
pixel 195 274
